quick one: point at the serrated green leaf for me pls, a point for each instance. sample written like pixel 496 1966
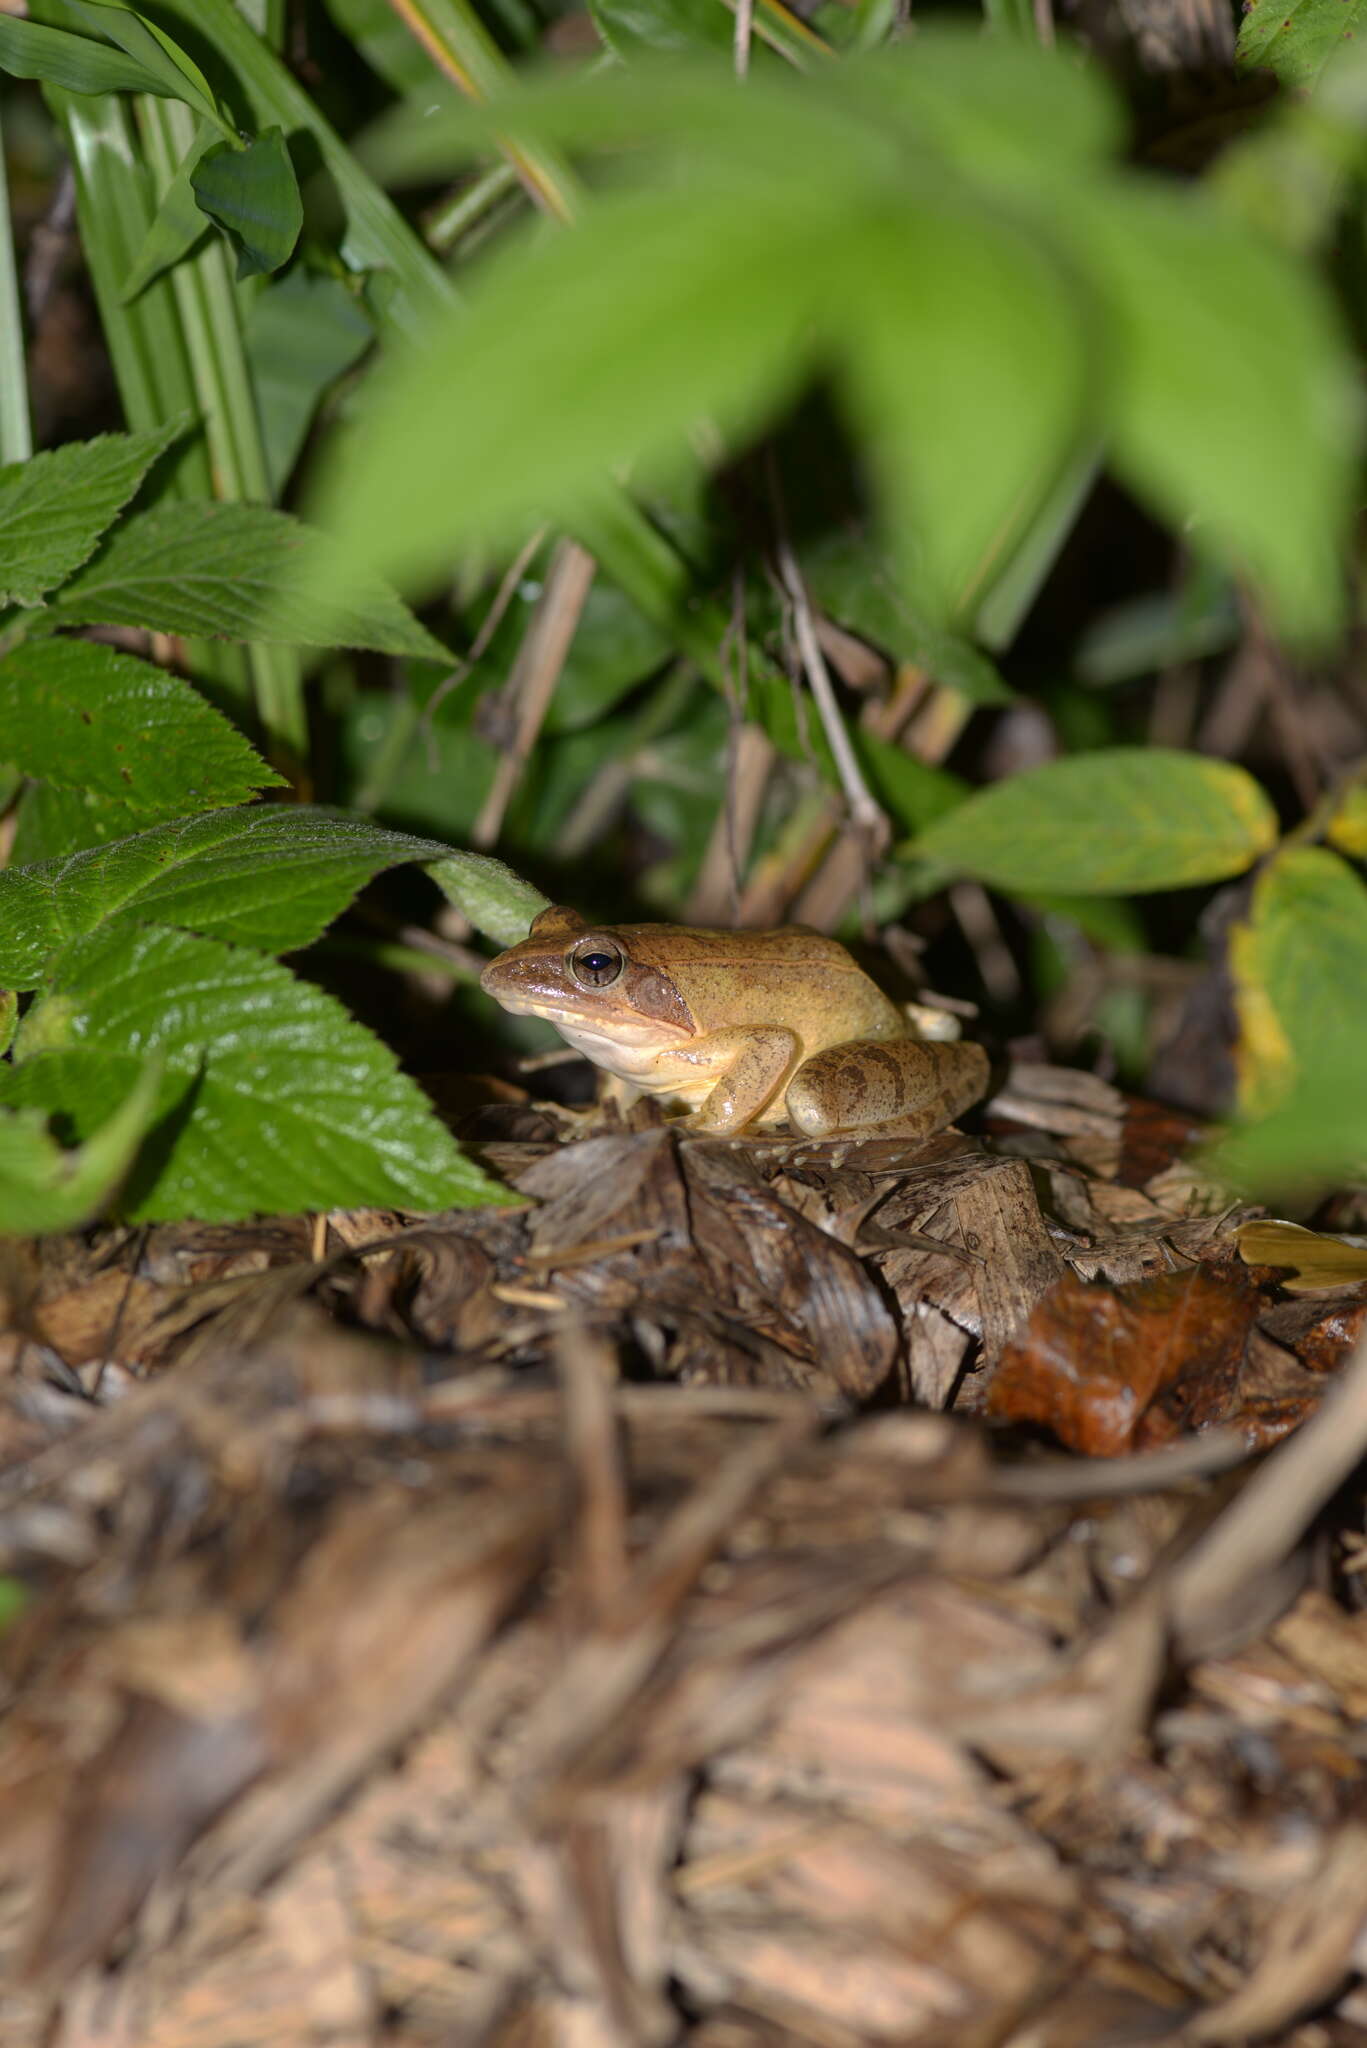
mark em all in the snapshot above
pixel 177 225
pixel 1233 405
pixel 82 716
pixel 253 194
pixel 1296 38
pixel 29 49
pixel 1113 822
pixel 55 506
pixel 271 1099
pixel 496 901
pixel 241 572
pixel 55 822
pixel 158 53
pixel 1299 963
pixel 271 876
pixel 967 367
pixel 43 1187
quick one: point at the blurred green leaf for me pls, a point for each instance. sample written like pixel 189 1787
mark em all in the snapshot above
pixel 1316 1140
pixel 1232 408
pixel 1157 631
pixel 971 393
pixel 43 1187
pixel 240 571
pixel 1296 38
pixel 149 46
pixel 496 901
pixel 630 26
pixel 55 506
pixel 303 331
pixel 1347 827
pixel 177 225
pixel 253 194
pixel 266 875
pixel 1119 820
pixel 271 1097
pixel 85 717
pixel 1299 962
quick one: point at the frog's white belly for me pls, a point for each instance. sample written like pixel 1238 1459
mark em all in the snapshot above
pixel 680 1072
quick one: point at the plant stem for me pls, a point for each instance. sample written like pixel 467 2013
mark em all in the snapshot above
pixel 16 431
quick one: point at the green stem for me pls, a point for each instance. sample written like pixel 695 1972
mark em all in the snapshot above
pixel 16 431
pixel 445 227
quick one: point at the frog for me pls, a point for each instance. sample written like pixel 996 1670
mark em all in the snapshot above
pixel 745 1030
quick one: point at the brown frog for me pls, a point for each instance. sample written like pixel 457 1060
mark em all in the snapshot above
pixel 744 1028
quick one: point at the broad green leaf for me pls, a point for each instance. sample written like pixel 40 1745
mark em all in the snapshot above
pixel 629 27
pixel 1299 963
pixel 254 195
pixel 177 225
pixel 669 308
pixel 1113 822
pixel 1312 1143
pixel 55 506
pixel 268 875
pixel 28 49
pixel 496 901
pixel 271 1098
pixel 967 369
pixel 1296 38
pixel 1347 827
pixel 43 1187
pixel 180 77
pixel 302 332
pixel 910 790
pixel 82 716
pixel 1232 405
pixel 243 572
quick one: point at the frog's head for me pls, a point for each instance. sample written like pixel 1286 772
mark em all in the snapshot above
pixel 600 981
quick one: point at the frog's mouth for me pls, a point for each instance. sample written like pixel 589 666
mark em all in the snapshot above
pixel 648 1013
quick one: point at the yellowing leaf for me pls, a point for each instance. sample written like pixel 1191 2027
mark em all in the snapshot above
pixel 1300 975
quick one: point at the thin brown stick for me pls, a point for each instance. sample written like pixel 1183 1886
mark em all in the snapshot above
pixel 537 670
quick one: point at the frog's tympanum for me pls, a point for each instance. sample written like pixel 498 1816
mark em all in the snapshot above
pixel 744 1028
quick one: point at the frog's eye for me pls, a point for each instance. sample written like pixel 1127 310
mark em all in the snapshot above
pixel 597 963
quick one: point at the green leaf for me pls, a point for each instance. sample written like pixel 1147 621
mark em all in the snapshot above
pixel 852 579
pixel 84 717
pixel 176 226
pixel 302 332
pixel 910 790
pixel 1347 826
pixel 1233 406
pixel 149 46
pixel 269 875
pixel 254 195
pixel 1311 1144
pixel 1296 38
pixel 508 416
pixel 496 901
pixel 243 572
pixel 43 1187
pixel 28 49
pixel 1120 820
pixel 55 506
pixel 271 1099
pixel 630 26
pixel 967 368
pixel 1299 963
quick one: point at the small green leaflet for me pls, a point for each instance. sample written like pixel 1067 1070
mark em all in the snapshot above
pixel 495 900
pixel 43 1187
pixel 82 716
pixel 176 226
pixel 272 1099
pixel 240 572
pixel 55 506
pixel 1115 822
pixel 253 194
pixel 1297 38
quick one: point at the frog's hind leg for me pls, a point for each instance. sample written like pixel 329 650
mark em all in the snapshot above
pixel 920 1086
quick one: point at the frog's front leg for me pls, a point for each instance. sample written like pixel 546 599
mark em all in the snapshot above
pixel 751 1066
pixel 919 1085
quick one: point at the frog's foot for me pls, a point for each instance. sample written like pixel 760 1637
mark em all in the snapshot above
pixel 916 1086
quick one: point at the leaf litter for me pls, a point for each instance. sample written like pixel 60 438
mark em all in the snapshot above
pixel 755 1593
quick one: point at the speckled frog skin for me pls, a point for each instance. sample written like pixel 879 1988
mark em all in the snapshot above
pixel 745 1029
